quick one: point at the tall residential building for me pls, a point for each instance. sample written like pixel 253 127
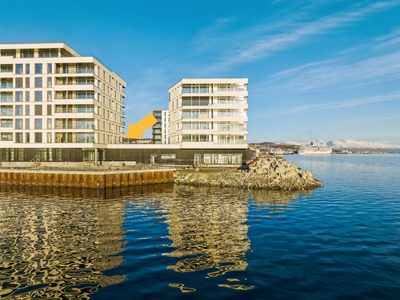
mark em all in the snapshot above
pixel 209 113
pixel 160 129
pixel 55 101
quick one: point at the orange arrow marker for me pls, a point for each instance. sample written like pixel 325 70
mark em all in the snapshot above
pixel 135 131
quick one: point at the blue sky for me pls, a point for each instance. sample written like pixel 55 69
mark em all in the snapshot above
pixel 317 69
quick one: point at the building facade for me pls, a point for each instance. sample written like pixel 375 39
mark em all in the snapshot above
pixel 209 113
pixel 160 129
pixel 57 104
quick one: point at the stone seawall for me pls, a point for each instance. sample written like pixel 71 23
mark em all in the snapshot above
pixel 271 173
pixel 93 180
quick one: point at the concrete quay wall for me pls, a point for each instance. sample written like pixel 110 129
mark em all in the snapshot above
pixel 93 180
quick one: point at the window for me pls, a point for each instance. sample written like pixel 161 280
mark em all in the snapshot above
pixel 19 96
pixel 20 153
pixel 27 124
pixel 38 123
pixel 28 68
pixel 49 97
pixel 18 83
pixel 49 110
pixel 49 137
pixel 27 110
pixel 48 123
pixel 38 82
pixel 6 83
pixel 49 82
pixel 38 96
pixel 38 137
pixel 19 68
pixel 18 110
pixel 6 68
pixel 38 68
pixel 18 124
pixel 27 137
pixel 58 154
pixel 38 110
pixel 49 68
pixel 27 82
pixel 27 96
pixel 19 137
pixel 27 53
pixel 7 136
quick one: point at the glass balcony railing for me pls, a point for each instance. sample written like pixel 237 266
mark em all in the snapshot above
pixel 75 110
pixel 71 126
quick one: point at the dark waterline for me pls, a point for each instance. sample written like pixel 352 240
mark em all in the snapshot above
pixel 161 241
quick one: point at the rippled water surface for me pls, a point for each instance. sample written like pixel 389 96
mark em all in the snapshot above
pixel 160 242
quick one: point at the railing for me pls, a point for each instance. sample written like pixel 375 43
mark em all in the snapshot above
pixel 76 110
pixel 230 89
pixel 195 90
pixel 57 126
pixel 6 85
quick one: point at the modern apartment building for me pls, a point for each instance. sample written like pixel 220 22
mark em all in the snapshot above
pixel 209 113
pixel 161 128
pixel 57 105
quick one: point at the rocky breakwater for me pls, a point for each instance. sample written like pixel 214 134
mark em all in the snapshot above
pixel 270 173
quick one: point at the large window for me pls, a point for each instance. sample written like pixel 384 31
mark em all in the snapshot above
pixel 6 123
pixel 38 137
pixel 19 96
pixel 18 124
pixel 7 136
pixel 28 68
pixel 27 110
pixel 49 82
pixel 6 68
pixel 27 123
pixel 20 153
pixel 27 96
pixel 19 110
pixel 38 123
pixel 6 110
pixel 196 88
pixel 19 137
pixel 19 68
pixel 6 83
pixel 38 82
pixel 48 52
pixel 38 68
pixel 27 53
pixel 27 137
pixel 19 82
pixel 38 96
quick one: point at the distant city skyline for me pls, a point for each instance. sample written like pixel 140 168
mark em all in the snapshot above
pixel 325 70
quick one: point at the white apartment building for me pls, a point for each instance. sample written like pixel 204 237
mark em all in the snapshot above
pixel 209 113
pixel 54 100
pixel 161 128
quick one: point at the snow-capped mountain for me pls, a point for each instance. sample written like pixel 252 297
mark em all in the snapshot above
pixel 352 145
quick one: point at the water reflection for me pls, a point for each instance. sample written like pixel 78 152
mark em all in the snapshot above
pixel 57 244
pixel 68 243
pixel 211 226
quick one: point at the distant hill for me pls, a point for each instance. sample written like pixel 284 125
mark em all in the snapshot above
pixel 354 145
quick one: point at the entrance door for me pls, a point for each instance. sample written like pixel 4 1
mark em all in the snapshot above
pixel 197 158
pixel 153 159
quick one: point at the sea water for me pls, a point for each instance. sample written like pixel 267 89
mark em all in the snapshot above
pixel 167 242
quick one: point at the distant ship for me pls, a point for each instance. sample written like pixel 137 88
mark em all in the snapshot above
pixel 314 149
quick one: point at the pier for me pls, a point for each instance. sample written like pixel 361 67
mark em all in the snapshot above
pixel 86 179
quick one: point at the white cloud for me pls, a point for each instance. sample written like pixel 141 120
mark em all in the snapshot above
pixel 264 45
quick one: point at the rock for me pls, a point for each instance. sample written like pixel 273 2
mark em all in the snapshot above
pixel 272 173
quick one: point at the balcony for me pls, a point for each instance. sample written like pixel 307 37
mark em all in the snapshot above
pixel 80 68
pixel 75 137
pixel 75 110
pixel 75 81
pixel 6 83
pixel 6 68
pixel 74 95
